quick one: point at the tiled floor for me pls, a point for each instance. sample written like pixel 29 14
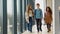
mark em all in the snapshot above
pixel 34 29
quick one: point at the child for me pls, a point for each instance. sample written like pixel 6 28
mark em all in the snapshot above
pixel 48 18
pixel 38 17
pixel 29 17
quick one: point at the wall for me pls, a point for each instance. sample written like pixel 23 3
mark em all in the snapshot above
pixel 57 25
pixel 49 3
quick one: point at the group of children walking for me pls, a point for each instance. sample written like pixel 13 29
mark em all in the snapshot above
pixel 37 14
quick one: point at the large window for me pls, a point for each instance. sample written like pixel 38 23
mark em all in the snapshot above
pixel 1 17
pixel 14 16
pixel 10 16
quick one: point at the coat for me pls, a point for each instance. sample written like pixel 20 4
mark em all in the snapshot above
pixel 48 18
pixel 38 14
pixel 27 17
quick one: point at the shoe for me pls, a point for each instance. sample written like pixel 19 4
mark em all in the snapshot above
pixel 48 30
pixel 37 31
pixel 30 31
pixel 41 30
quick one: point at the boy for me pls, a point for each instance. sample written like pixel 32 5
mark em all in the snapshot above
pixel 38 17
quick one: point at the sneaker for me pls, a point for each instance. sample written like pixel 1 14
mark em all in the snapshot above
pixel 41 30
pixel 30 31
pixel 48 30
pixel 37 31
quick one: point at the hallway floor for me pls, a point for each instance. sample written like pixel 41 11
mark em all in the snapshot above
pixel 34 30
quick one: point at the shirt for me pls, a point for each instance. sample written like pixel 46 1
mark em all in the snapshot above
pixel 38 13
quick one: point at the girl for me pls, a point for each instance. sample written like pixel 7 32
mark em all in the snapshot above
pixel 29 17
pixel 48 18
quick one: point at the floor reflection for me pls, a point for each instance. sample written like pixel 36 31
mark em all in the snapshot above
pixel 35 30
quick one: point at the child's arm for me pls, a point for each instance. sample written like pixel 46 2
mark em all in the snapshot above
pixel 26 17
pixel 44 16
pixel 34 13
pixel 41 14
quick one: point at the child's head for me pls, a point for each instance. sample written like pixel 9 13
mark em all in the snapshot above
pixel 29 8
pixel 48 9
pixel 38 5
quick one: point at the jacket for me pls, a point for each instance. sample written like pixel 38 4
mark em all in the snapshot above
pixel 38 14
pixel 48 18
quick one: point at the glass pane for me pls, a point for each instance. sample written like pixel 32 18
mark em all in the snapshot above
pixel 25 24
pixel 23 14
pixel 1 17
pixel 10 16
pixel 21 23
pixel 18 17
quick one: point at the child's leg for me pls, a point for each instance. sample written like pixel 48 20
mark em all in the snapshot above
pixel 40 23
pixel 49 27
pixel 30 27
pixel 37 24
pixel 30 24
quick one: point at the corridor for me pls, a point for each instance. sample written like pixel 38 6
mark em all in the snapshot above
pixel 34 30
pixel 44 26
pixel 12 16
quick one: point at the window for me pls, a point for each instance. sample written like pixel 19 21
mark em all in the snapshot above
pixel 1 17
pixel 10 16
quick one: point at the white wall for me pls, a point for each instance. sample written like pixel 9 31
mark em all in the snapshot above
pixel 49 3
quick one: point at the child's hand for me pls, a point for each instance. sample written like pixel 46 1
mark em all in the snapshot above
pixel 27 20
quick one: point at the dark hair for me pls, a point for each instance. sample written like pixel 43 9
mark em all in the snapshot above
pixel 50 10
pixel 37 4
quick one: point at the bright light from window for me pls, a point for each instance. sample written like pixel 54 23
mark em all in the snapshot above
pixel 10 7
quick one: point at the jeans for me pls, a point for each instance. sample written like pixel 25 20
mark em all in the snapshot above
pixel 30 24
pixel 39 24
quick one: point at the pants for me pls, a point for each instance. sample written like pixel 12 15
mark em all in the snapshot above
pixel 39 24
pixel 49 27
pixel 30 24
